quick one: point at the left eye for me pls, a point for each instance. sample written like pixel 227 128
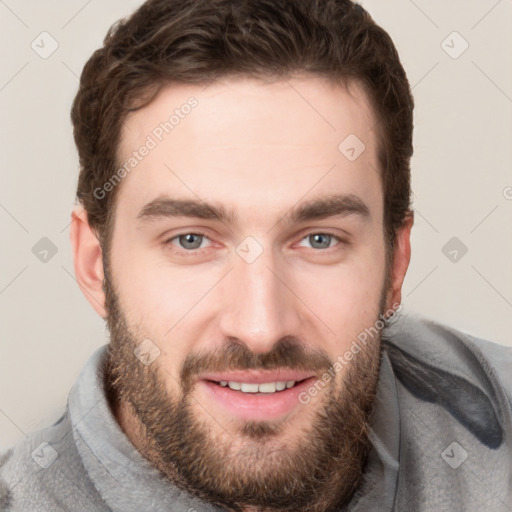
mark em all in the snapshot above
pixel 321 240
pixel 189 241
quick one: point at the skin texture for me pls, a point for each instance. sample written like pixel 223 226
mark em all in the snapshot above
pixel 257 148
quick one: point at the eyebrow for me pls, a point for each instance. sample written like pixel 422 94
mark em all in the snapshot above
pixel 315 209
pixel 170 207
pixel 326 207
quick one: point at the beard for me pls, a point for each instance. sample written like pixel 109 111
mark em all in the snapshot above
pixel 262 465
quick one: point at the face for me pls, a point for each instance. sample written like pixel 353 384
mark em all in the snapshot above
pixel 247 255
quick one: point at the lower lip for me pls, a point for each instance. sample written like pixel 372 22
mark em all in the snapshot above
pixel 257 406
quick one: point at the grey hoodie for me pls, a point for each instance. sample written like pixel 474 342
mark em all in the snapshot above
pixel 441 431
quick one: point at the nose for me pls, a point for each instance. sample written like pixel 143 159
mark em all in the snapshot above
pixel 258 304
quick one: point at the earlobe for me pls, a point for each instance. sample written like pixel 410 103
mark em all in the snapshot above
pixel 87 259
pixel 401 259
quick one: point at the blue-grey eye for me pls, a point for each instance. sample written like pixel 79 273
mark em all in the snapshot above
pixel 190 241
pixel 320 240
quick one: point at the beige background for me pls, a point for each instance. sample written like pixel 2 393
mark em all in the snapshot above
pixel 462 178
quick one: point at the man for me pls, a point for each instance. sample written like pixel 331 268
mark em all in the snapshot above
pixel 243 227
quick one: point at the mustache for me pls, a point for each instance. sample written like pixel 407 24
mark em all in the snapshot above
pixel 288 352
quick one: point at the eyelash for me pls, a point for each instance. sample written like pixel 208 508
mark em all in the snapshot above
pixel 197 251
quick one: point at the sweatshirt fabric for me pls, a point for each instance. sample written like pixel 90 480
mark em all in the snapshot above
pixel 441 433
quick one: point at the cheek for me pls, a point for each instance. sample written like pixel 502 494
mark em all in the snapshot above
pixel 346 297
pixel 163 302
pixel 358 279
pixel 157 307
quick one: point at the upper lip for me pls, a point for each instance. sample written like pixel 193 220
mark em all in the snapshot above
pixel 258 376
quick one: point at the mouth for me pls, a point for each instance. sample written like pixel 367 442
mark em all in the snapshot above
pixel 257 396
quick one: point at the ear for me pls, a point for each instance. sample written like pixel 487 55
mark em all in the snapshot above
pixel 87 258
pixel 400 262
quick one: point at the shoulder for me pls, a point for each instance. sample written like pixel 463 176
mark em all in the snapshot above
pixel 455 410
pixel 466 376
pixel 499 358
pixel 453 350
pixel 44 472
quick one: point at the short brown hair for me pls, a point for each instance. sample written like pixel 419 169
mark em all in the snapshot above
pixel 198 41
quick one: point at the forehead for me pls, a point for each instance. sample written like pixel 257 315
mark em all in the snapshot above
pixel 250 142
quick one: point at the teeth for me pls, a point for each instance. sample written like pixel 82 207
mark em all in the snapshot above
pixel 266 387
pixel 249 388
